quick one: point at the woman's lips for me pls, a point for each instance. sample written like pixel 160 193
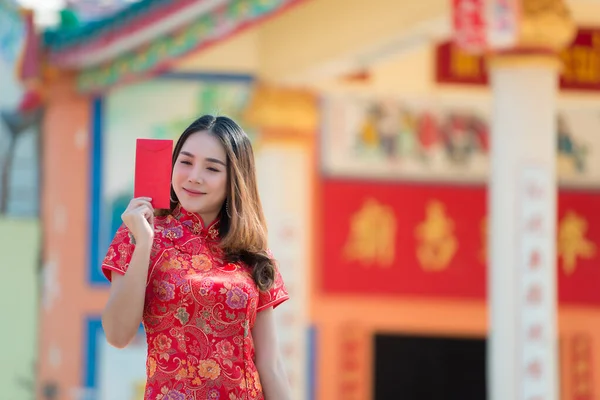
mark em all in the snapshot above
pixel 193 192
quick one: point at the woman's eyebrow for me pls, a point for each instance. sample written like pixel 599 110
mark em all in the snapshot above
pixel 216 160
pixel 209 159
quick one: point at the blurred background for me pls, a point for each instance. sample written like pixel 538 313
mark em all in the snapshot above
pixel 376 127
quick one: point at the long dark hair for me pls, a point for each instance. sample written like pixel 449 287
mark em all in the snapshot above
pixel 242 227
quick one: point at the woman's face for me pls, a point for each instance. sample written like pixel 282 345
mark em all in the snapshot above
pixel 200 175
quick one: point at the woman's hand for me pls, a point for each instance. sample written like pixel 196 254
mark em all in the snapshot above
pixel 139 219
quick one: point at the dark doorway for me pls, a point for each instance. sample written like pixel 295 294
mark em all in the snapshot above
pixel 429 368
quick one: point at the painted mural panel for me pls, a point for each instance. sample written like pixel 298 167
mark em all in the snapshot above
pixel 441 140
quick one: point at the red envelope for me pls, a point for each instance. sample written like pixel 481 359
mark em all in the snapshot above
pixel 153 171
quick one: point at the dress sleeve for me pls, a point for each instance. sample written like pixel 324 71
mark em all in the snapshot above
pixel 119 253
pixel 276 295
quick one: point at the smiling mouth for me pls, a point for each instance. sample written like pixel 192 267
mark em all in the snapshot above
pixel 193 192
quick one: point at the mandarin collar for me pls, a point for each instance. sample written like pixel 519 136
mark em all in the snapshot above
pixel 195 224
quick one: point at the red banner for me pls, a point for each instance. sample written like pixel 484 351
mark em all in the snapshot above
pixel 427 240
pixel 581 61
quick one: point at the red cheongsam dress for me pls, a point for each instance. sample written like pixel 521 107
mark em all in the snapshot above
pixel 198 313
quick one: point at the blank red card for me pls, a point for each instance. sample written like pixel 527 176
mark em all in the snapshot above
pixel 153 170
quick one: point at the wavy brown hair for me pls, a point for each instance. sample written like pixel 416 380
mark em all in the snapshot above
pixel 242 226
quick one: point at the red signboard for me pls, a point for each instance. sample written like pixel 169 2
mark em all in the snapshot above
pixel 456 66
pixel 427 240
pixel 581 61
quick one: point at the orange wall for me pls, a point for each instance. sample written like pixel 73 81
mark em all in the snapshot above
pixel 66 130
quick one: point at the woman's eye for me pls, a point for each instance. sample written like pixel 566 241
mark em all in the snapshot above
pixel 213 169
pixel 186 162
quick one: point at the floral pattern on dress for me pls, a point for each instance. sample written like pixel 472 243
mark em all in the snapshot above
pixel 198 313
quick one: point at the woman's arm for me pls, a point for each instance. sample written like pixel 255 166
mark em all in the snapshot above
pixel 270 366
pixel 123 312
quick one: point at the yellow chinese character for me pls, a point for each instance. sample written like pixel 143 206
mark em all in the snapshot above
pixel 587 62
pixel 572 242
pixel 372 238
pixel 437 243
pixel 463 64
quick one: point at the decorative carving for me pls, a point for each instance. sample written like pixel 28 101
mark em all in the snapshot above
pixel 545 24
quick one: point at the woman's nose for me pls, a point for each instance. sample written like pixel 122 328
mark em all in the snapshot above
pixel 195 176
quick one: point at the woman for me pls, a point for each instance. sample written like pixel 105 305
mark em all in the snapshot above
pixel 199 276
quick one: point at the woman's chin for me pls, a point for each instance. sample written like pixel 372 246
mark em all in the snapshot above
pixel 194 207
